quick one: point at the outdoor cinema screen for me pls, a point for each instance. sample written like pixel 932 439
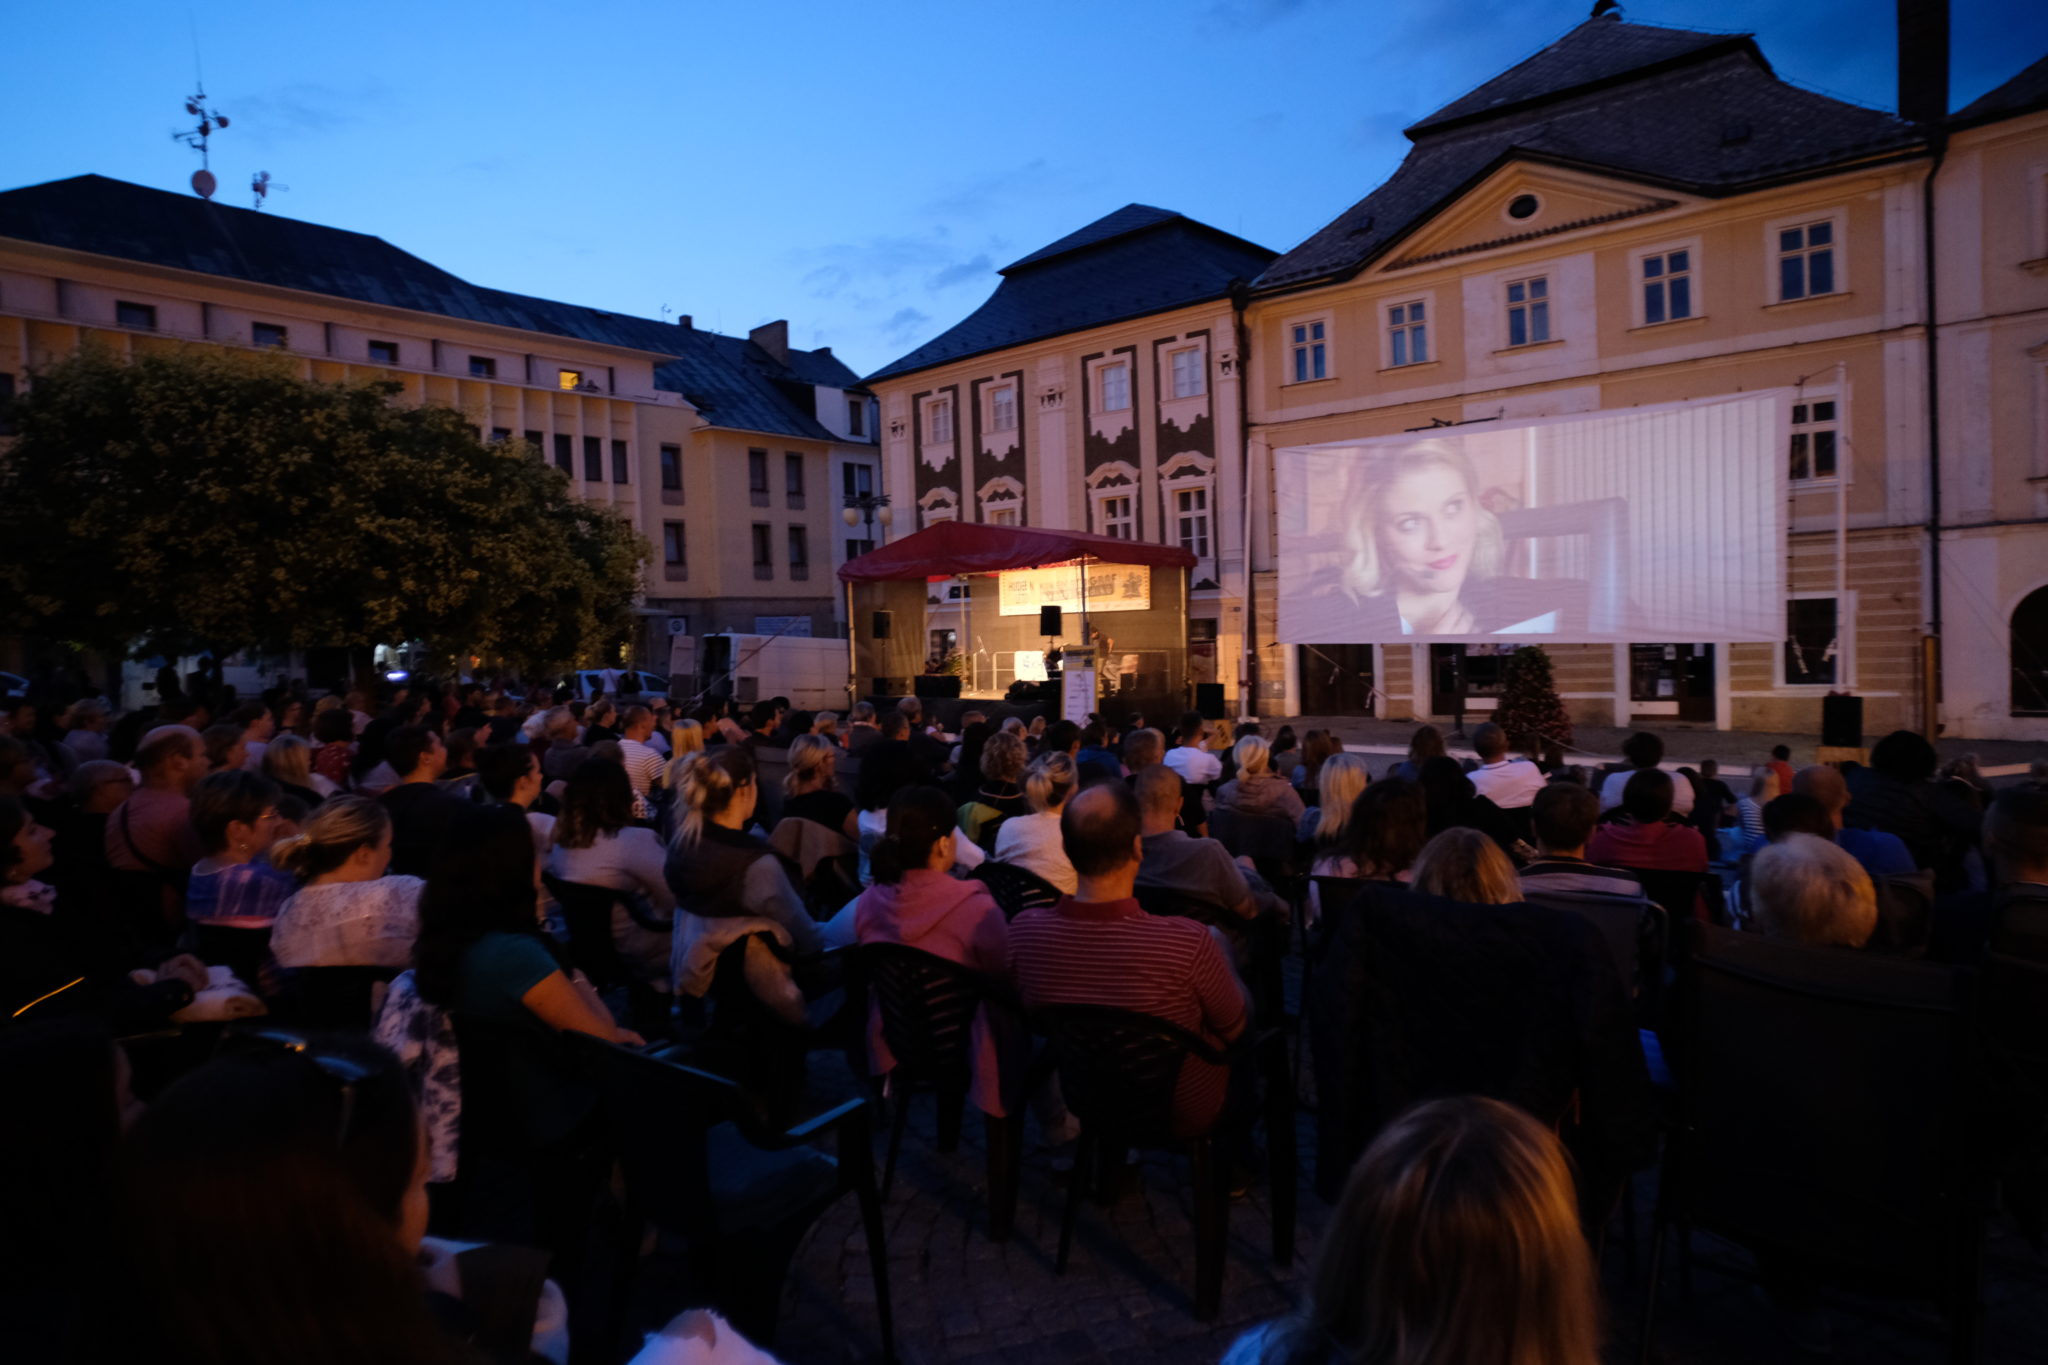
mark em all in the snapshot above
pixel 1657 523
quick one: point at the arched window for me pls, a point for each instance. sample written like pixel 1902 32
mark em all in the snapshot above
pixel 2029 653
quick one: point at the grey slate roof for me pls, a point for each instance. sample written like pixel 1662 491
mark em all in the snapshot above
pixel 730 380
pixel 1666 107
pixel 2022 94
pixel 1126 264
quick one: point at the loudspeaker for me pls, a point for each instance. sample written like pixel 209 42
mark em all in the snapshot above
pixel 1049 621
pixel 936 685
pixel 1209 700
pixel 881 625
pixel 1841 722
pixel 891 687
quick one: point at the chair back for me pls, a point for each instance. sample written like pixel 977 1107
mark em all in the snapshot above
pixel 927 1006
pixel 337 999
pixel 1633 928
pixel 2015 993
pixel 587 910
pixel 658 1114
pixel 1262 838
pixel 1119 1069
pixel 1333 894
pixel 1905 913
pixel 1016 889
pixel 1828 1101
pixel 1677 892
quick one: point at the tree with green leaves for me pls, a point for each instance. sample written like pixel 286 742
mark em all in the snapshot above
pixel 1529 704
pixel 199 498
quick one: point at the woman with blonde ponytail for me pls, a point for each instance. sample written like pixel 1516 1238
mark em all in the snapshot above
pixel 347 913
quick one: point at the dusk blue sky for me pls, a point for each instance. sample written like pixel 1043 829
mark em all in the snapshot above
pixel 861 169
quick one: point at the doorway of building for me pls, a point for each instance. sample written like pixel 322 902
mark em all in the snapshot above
pixel 1336 680
pixel 2029 653
pixel 1465 677
pixel 1673 680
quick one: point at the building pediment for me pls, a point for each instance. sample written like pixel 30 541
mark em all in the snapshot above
pixel 1523 202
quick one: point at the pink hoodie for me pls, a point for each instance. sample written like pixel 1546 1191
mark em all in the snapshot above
pixel 957 920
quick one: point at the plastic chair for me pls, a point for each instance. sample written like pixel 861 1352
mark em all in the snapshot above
pixel 587 910
pixel 1635 930
pixel 1260 942
pixel 1016 889
pixel 1829 1108
pixel 697 1161
pixel 1905 914
pixel 1118 1071
pixel 927 1006
pixel 337 999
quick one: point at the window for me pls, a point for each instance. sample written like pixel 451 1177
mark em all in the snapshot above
pixel 500 435
pixel 764 550
pixel 857 480
pixel 1004 515
pixel 269 334
pixel 383 353
pixel 672 468
pixel 1523 207
pixel 569 379
pixel 1117 517
pixel 675 551
pixel 622 463
pixel 482 367
pixel 1806 260
pixel 1188 379
pixel 939 422
pixel 1529 311
pixel 1002 408
pixel 593 459
pixel 565 453
pixel 141 315
pixel 1813 654
pixel 1307 351
pixel 793 479
pixel 757 477
pixel 856 548
pixel 1815 430
pixel 1191 520
pixel 1116 387
pixel 1667 287
pixel 857 416
pixel 533 438
pixel 1407 334
pixel 799 553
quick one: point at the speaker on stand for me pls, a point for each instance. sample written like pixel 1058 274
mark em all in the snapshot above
pixel 881 625
pixel 1049 621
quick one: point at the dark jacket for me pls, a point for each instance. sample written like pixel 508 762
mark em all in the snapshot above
pixel 1937 826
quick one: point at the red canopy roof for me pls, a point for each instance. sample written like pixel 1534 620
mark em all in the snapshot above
pixel 961 547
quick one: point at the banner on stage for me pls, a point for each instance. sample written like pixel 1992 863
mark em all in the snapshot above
pixel 1111 587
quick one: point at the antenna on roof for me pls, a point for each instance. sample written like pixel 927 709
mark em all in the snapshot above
pixel 203 183
pixel 260 183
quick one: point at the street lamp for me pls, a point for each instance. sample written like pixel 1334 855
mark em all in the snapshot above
pixel 867 509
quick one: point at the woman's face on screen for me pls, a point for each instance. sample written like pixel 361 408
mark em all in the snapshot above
pixel 1427 525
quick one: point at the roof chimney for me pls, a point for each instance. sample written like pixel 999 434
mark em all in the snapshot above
pixel 1923 61
pixel 684 321
pixel 772 337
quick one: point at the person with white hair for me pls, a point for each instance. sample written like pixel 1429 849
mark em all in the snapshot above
pixel 1807 890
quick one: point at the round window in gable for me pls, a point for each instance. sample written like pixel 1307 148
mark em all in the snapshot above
pixel 1523 206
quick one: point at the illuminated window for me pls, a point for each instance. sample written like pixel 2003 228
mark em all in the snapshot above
pixel 569 379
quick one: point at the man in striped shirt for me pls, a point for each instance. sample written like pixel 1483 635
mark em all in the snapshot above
pixel 643 761
pixel 1098 948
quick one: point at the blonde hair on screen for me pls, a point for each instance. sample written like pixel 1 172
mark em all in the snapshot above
pixel 1364 573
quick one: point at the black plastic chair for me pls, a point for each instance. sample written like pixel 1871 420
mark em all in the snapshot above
pixel 587 910
pixel 1636 930
pixel 1259 943
pixel 927 1006
pixel 1119 1071
pixel 1905 914
pixel 332 999
pixel 1016 889
pixel 698 1161
pixel 1829 1121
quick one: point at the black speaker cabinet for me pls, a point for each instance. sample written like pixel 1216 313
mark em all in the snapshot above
pixel 891 687
pixel 936 685
pixel 882 624
pixel 1049 621
pixel 1209 700
pixel 1841 722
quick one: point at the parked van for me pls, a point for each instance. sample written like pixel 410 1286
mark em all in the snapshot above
pixel 748 668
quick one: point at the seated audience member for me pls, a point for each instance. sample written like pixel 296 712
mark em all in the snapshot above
pixel 564 751
pixel 1191 760
pixel 1882 854
pixel 346 913
pixel 258 725
pixel 509 775
pixel 917 902
pixel 686 739
pixel 932 751
pixel 1192 867
pixel 469 713
pixel 334 746
pixel 419 808
pixel 810 790
pixel 1462 864
pixel 600 723
pixel 94 791
pixel 889 766
pixel 1098 757
pixel 1454 803
pixel 1257 791
pixel 1510 783
pixel 596 843
pixel 825 725
pixel 234 814
pixel 1426 743
pixel 1457 1241
pixel 644 764
pixel 1060 737
pixel 1338 783
pixel 1716 804
pixel 220 1187
pixel 458 775
pixel 1564 816
pixel 152 830
pixel 1749 810
pixel 1646 838
pixel 1286 753
pixel 1032 841
pixel 1796 813
pixel 2011 917
pixel 1644 751
pixel 1897 794
pixel 226 750
pixel 974 732
pixel 503 726
pixel 1389 824
pixel 718 868
pixel 1142 749
pixel 85 729
pixel 288 761
pixel 1099 948
pixel 1805 889
pixel 861 730
pixel 999 798
pixel 760 726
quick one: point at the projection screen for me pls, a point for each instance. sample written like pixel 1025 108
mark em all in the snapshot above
pixel 1654 523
